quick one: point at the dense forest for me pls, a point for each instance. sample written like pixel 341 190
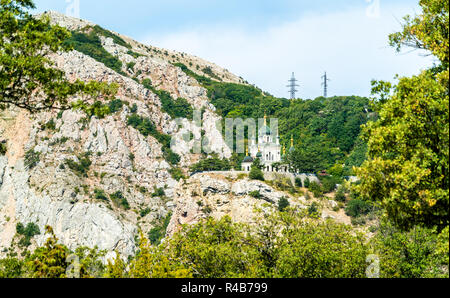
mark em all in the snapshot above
pixel 325 130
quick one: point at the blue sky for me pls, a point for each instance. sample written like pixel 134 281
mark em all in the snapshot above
pixel 265 41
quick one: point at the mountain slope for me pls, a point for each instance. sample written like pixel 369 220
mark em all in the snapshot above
pixel 97 180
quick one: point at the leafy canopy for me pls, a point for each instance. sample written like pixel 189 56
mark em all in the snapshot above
pixel 28 78
pixel 407 171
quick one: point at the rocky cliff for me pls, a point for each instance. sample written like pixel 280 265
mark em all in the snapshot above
pixel 94 180
pixel 97 180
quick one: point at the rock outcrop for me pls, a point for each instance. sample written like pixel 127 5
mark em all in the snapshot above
pixel 220 194
pixel 105 203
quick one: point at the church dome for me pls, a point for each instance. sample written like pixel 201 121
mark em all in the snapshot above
pixel 265 130
pixel 248 159
pixel 259 155
pixel 292 149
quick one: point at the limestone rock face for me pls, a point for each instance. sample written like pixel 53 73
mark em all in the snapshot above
pixel 103 203
pixel 220 194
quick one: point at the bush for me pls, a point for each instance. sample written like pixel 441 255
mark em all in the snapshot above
pixel 329 183
pixel 283 204
pixel 119 200
pixel 27 232
pixel 82 167
pixel 159 232
pixel 255 194
pixel 100 194
pixel 356 208
pixel 32 158
pixel 179 108
pixel 298 182
pixel 115 105
pixel 211 164
pixel 256 173
pixel 282 246
pixel 340 195
pixel 90 44
pixel 3 148
pixel 307 183
pixel 316 189
pixel 159 192
pixel 418 253
pixel 313 209
pixel 177 174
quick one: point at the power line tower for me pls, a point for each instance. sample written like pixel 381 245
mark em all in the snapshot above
pixel 325 85
pixel 292 86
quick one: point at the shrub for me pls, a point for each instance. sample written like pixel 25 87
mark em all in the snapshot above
pixel 298 182
pixel 82 167
pixel 340 195
pixel 159 192
pixel 32 158
pixel 315 188
pixel 307 183
pixel 131 65
pixel 3 148
pixel 283 204
pixel 157 233
pixel 100 194
pixel 145 212
pixel 119 200
pixel 356 208
pixel 27 232
pixel 256 172
pixel 146 128
pixel 177 174
pixel 255 194
pixel 90 44
pixel 313 209
pixel 211 164
pixel 115 105
pixel 50 125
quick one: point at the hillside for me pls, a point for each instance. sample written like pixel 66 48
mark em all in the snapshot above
pixel 99 178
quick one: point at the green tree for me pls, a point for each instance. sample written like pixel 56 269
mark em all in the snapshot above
pixel 408 147
pixel 256 171
pixel 26 70
pixel 418 253
pixel 49 261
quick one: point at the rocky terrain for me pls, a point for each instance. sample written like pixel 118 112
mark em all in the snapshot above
pixel 74 173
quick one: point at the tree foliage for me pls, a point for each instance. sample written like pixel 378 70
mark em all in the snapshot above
pixel 408 146
pixel 28 78
pixel 256 172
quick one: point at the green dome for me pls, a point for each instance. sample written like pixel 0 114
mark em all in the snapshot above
pixel 248 159
pixel 291 150
pixel 259 155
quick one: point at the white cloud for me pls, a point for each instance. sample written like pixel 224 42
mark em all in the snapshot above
pixel 349 45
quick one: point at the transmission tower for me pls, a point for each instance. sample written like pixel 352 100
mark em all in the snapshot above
pixel 292 86
pixel 325 85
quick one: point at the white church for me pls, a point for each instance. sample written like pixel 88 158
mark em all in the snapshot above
pixel 267 149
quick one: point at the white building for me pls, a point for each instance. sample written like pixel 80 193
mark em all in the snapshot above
pixel 267 149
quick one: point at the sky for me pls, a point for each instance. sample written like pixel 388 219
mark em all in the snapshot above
pixel 265 41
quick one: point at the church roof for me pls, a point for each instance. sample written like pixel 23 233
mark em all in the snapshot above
pixel 265 130
pixel 248 159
